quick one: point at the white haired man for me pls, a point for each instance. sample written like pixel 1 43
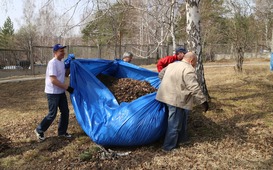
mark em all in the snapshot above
pixel 127 57
pixel 178 90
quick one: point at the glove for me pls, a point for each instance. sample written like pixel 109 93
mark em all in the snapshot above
pixel 70 89
pixel 206 106
pixel 68 60
pixel 71 56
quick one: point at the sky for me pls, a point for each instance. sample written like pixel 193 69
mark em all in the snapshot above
pixel 14 9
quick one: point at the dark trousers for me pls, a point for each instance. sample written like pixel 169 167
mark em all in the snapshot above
pixel 177 127
pixel 56 101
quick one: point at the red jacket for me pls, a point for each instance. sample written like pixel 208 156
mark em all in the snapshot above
pixel 164 62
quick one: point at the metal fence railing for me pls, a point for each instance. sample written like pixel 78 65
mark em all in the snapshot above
pixel 11 57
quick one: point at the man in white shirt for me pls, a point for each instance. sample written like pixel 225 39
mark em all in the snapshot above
pixel 55 88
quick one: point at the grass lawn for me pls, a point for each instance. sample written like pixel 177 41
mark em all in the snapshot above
pixel 236 133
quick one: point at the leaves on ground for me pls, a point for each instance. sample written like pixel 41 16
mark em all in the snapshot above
pixel 236 132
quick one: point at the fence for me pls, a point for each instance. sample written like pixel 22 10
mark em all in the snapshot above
pixel 35 60
pixel 144 54
pixel 9 57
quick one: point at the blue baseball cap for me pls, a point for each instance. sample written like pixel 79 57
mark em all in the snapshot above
pixel 181 50
pixel 56 47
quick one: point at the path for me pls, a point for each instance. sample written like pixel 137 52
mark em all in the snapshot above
pixel 150 67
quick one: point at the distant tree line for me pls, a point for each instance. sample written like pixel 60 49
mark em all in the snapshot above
pixel 240 25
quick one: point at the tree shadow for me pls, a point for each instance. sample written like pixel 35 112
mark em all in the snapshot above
pixel 5 144
pixel 200 128
pixel 49 145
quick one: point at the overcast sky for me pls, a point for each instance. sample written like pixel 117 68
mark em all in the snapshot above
pixel 14 9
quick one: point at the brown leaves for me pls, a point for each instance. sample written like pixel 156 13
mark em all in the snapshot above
pixel 126 89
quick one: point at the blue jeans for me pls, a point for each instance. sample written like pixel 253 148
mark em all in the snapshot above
pixel 177 127
pixel 56 101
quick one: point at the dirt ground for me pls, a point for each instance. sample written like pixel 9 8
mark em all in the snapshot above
pixel 236 133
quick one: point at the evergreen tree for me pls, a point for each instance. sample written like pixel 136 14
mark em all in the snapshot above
pixel 8 29
pixel 7 33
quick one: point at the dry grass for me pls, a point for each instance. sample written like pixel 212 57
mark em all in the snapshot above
pixel 236 133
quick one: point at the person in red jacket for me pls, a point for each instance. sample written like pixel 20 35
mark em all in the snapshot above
pixel 178 56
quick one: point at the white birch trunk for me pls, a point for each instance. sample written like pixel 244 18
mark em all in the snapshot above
pixel 194 40
pixel 172 26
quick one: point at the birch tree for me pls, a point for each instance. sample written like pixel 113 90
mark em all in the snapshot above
pixel 156 22
pixel 46 24
pixel 28 32
pixel 264 13
pixel 166 13
pixel 194 40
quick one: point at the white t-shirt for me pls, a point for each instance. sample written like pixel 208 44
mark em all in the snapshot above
pixel 56 68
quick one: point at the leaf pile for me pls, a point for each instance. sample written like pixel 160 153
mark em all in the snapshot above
pixel 126 89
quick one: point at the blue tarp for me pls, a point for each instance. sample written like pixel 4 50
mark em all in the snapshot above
pixel 102 118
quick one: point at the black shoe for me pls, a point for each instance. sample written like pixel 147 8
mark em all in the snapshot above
pixel 66 135
pixel 165 151
pixel 168 151
pixel 40 136
pixel 184 142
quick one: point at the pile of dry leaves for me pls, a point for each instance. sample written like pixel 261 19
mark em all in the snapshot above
pixel 126 89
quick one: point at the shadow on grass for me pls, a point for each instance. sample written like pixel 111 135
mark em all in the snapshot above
pixel 200 127
pixel 46 147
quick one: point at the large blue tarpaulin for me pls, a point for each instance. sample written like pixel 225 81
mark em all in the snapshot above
pixel 102 118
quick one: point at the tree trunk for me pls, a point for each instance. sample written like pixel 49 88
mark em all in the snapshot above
pixel 272 41
pixel 172 26
pixel 239 59
pixel 194 40
pixel 120 40
pixel 99 50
